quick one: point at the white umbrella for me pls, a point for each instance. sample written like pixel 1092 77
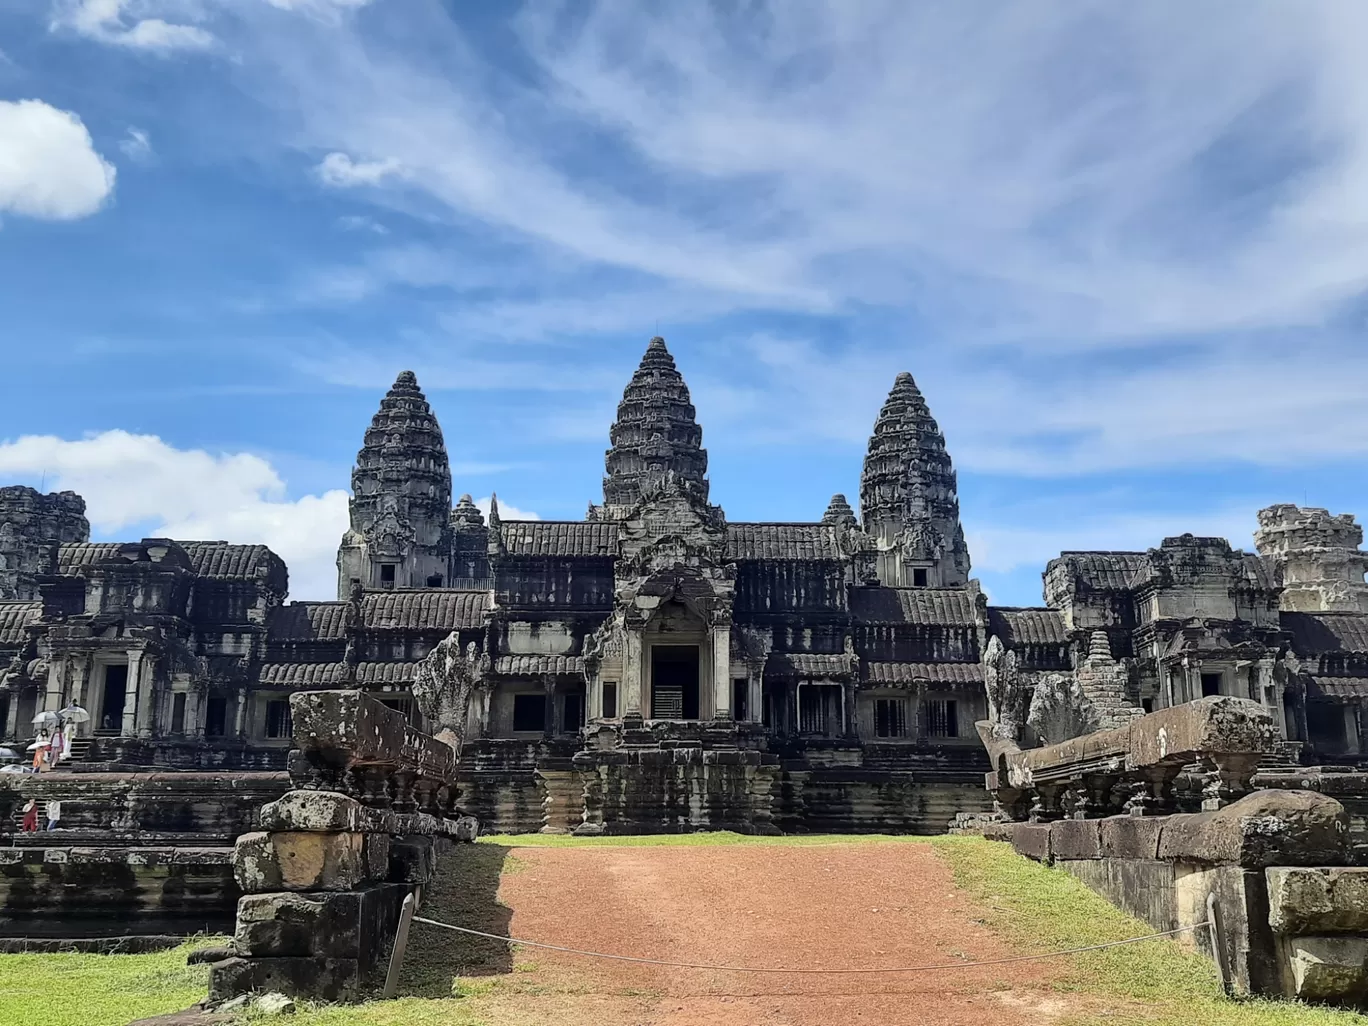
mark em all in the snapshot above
pixel 37 745
pixel 74 714
pixel 46 719
pixel 8 753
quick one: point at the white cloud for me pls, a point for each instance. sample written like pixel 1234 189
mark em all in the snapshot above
pixel 49 168
pixel 119 23
pixel 506 511
pixel 361 223
pixel 139 481
pixel 338 169
pixel 137 146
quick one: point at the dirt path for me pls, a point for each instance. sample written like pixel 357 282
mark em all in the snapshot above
pixel 836 905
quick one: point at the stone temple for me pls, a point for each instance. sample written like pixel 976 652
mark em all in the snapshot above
pixel 655 666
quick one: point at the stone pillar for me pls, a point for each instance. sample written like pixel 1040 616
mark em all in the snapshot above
pixel 133 692
pixel 631 683
pixel 849 708
pixel 754 704
pixel 52 694
pixel 240 715
pixel 146 715
pixel 721 672
pixel 11 725
pixel 548 684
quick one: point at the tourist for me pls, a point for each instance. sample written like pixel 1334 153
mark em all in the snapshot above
pixel 56 751
pixel 31 817
pixel 54 813
pixel 40 757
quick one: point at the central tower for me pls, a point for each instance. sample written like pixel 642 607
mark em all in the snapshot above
pixel 908 496
pixel 656 436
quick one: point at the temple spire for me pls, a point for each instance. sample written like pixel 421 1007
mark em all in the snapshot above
pixel 400 534
pixel 839 514
pixel 908 494
pixel 656 434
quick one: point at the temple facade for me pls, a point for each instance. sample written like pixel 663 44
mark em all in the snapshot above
pixel 656 666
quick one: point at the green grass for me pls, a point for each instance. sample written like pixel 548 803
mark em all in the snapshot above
pixel 1039 908
pixel 97 990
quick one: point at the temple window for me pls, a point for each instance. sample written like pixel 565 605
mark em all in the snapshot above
pixel 435 581
pixel 113 696
pixel 890 717
pixel 215 716
pixel 740 692
pixel 178 713
pixel 572 712
pixel 919 577
pixel 279 723
pixel 942 718
pixel 610 700
pixel 387 575
pixel 1211 684
pixel 529 712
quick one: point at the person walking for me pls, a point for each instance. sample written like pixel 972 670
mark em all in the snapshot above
pixel 31 817
pixel 54 813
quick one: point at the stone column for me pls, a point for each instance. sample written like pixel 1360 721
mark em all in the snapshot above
pixel 755 704
pixel 548 684
pixel 240 715
pixel 849 708
pixel 11 724
pixel 631 683
pixel 52 695
pixel 721 672
pixel 133 690
pixel 146 717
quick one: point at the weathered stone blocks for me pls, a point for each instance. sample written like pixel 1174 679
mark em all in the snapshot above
pixel 327 925
pixel 325 979
pixel 1267 828
pixel 1330 969
pixel 1315 900
pixel 309 861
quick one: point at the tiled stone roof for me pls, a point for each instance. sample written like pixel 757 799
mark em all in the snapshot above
pixel 945 606
pixel 14 617
pixel 559 537
pixel 212 559
pixel 782 541
pixel 371 674
pixel 78 554
pixel 535 665
pixel 929 673
pixel 1337 687
pixel 431 609
pixel 1318 633
pixel 1027 626
pixel 808 665
pixel 1107 571
pixel 308 621
pixel 302 675
pixel 230 562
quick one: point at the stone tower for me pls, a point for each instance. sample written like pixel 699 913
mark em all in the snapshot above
pixel 908 498
pixel 32 525
pixel 400 534
pixel 655 435
pixel 839 514
pixel 1315 557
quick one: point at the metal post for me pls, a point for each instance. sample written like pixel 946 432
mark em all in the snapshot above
pixel 400 944
pixel 1218 950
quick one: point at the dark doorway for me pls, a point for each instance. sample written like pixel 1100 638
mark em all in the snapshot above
pixel 674 682
pixel 1211 684
pixel 115 693
pixel 740 695
pixel 572 712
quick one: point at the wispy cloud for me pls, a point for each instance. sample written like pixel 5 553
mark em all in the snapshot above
pixel 121 23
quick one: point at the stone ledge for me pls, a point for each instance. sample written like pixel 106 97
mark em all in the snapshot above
pixel 309 861
pixel 1317 900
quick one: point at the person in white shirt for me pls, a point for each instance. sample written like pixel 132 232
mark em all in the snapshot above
pixel 54 813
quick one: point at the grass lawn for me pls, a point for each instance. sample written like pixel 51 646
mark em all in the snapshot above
pixel 97 990
pixel 1033 906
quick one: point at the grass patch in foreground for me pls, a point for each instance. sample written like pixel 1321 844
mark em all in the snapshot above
pixel 1043 909
pixel 701 839
pixel 98 990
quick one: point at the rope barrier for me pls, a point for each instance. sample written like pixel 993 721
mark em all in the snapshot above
pixel 762 969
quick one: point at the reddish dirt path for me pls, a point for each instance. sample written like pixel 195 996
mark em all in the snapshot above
pixel 832 905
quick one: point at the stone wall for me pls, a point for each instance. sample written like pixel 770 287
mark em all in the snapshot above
pixel 115 891
pixel 1293 916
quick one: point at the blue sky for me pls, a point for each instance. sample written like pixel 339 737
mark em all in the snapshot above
pixel 1123 249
